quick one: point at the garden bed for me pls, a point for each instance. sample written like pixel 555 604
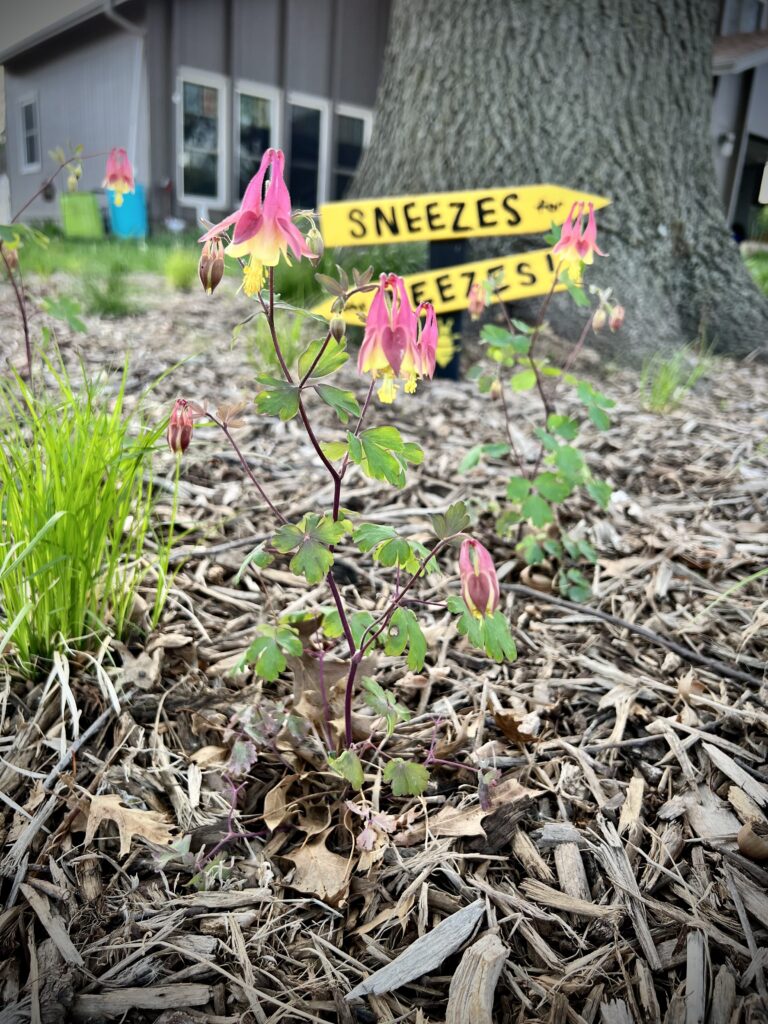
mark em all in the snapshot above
pixel 599 878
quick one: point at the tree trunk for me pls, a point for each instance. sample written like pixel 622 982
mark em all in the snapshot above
pixel 609 96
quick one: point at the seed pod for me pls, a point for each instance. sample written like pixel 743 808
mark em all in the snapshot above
pixel 599 320
pixel 211 265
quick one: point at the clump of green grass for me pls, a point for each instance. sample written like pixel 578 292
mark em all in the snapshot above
pixel 181 268
pixel 666 379
pixel 757 264
pixel 112 298
pixel 75 479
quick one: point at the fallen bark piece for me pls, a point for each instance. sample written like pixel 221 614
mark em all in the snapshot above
pixel 425 954
pixel 157 997
pixel 53 924
pixel 470 997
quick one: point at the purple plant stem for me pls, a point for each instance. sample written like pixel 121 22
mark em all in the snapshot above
pixel 21 303
pixel 275 511
pixel 269 311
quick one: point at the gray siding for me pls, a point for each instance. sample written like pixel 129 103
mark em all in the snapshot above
pixel 200 35
pixel 257 48
pixel 85 96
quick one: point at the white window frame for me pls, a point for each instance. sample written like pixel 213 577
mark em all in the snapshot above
pixel 215 81
pixel 364 114
pixel 259 91
pixel 303 99
pixel 29 99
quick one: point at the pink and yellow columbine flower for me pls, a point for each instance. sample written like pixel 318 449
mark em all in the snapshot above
pixel 578 243
pixel 479 583
pixel 264 230
pixel 119 175
pixel 395 346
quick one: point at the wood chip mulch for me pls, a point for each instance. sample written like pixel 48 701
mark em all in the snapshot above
pixel 575 857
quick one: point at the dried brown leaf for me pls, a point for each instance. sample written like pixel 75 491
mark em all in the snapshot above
pixel 149 825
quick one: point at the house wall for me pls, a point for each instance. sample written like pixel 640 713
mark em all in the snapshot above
pixel 94 94
pixel 331 50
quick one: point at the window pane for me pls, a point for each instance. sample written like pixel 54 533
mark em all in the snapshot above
pixel 28 114
pixel 200 174
pixel 349 142
pixel 305 155
pixel 255 135
pixel 32 155
pixel 200 120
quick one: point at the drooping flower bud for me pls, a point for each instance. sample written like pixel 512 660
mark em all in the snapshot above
pixel 315 244
pixel 180 426
pixel 337 328
pixel 616 319
pixel 477 301
pixel 211 265
pixel 11 259
pixel 495 389
pixel 479 583
pixel 599 319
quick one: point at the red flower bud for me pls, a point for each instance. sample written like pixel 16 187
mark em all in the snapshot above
pixel 616 319
pixel 180 426
pixel 477 301
pixel 479 583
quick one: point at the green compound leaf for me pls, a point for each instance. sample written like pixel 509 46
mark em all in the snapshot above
pixel 384 704
pixel 333 357
pixel 349 767
pixel 537 510
pixel 358 624
pixel 334 450
pixel 382 454
pixel 518 488
pixel 404 631
pixel 311 539
pixel 343 403
pixel 268 650
pixel 523 381
pixel 390 550
pixel 406 777
pixel 564 426
pixel 454 520
pixel 531 550
pixel 256 556
pixel 489 633
pixel 278 398
pixel 570 462
pixel 600 492
pixel 469 461
pixel 552 487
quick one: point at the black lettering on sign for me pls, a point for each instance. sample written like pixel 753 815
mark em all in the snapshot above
pixel 486 217
pixel 445 288
pixel 391 224
pixel 413 221
pixel 469 276
pixel 417 292
pixel 434 217
pixel 528 277
pixel 457 225
pixel 492 271
pixel 356 215
pixel 550 263
pixel 513 217
pixel 544 205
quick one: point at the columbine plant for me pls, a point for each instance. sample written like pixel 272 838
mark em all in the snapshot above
pixel 558 468
pixel 118 179
pixel 399 346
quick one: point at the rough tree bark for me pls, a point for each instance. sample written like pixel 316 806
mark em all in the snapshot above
pixel 610 96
